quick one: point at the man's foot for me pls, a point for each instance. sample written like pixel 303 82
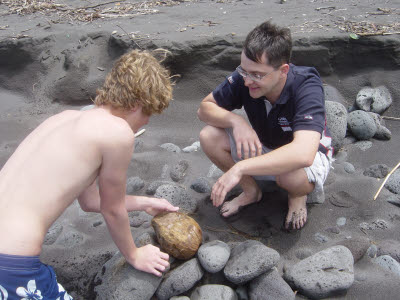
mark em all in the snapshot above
pixel 230 208
pixel 297 214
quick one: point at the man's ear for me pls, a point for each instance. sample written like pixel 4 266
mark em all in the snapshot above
pixel 285 69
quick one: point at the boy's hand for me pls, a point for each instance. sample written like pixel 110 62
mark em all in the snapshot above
pixel 155 206
pixel 150 259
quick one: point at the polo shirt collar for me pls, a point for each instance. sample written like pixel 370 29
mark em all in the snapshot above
pixel 285 95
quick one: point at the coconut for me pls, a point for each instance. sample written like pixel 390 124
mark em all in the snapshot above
pixel 178 234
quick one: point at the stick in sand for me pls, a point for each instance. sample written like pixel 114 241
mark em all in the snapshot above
pixel 387 177
pixel 140 132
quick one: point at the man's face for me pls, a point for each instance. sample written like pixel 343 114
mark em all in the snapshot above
pixel 269 86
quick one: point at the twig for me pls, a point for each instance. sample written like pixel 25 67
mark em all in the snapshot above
pixel 140 132
pixel 93 6
pixel 130 37
pixel 386 178
pixel 390 118
pixel 327 7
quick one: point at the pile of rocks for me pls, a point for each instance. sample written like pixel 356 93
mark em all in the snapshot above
pixel 249 267
pixel 362 120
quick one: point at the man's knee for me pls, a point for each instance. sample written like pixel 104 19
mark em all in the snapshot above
pixel 295 182
pixel 213 136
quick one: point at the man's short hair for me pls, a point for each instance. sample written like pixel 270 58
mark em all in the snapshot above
pixel 270 39
pixel 137 78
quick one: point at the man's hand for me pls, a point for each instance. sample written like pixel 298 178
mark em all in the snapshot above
pixel 224 184
pixel 247 139
pixel 154 206
pixel 150 259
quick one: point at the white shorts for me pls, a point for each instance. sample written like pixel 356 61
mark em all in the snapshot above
pixel 316 173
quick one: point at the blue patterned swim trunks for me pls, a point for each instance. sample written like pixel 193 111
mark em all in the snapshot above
pixel 27 278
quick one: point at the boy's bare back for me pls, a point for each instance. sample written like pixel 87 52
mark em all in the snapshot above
pixel 49 170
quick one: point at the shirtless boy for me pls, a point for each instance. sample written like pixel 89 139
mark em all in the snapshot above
pixel 286 141
pixel 66 158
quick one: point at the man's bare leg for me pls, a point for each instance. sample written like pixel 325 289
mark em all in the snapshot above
pixel 215 144
pixel 298 187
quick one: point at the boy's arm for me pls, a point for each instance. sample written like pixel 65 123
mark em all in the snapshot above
pixel 116 154
pixel 89 200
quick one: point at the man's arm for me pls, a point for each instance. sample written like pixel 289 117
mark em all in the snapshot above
pixel 245 136
pixel 300 153
pixel 116 155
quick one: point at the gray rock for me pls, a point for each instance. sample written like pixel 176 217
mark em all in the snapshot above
pixel 137 220
pixel 363 145
pixel 213 255
pixel 164 171
pixel 358 246
pixel 134 184
pixel 178 171
pixel 377 224
pixel 348 167
pixel 372 251
pixel 341 221
pixel 394 199
pixel 376 100
pixel 179 280
pixel 388 263
pixel 214 172
pixel 336 119
pixel 146 238
pixel 323 274
pixel 377 171
pixel 393 183
pixel 213 292
pixel 192 148
pixel 249 260
pixel 270 286
pixel 382 133
pixel 117 279
pixel 179 298
pixel 321 238
pixel 70 239
pixel 389 247
pixel 151 189
pixel 52 234
pixel 97 223
pixel 177 196
pixel 201 185
pixel 171 147
pixel 361 125
pixel 334 229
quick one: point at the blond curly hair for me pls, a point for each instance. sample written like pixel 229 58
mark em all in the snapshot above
pixel 137 78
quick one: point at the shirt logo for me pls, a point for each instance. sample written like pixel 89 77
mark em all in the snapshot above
pixel 284 123
pixel 308 117
pixel 230 79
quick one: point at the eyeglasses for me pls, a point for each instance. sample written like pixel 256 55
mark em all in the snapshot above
pixel 254 77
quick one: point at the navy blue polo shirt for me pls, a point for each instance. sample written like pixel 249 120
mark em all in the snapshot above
pixel 300 106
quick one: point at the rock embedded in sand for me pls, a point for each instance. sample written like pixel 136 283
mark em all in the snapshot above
pixel 336 119
pixel 393 183
pixel 212 291
pixel 323 274
pixel 180 280
pixel 177 195
pixel 361 125
pixel 178 171
pixel 376 100
pixel 134 184
pixel 272 284
pixel 249 260
pixel 171 147
pixel 214 255
pixel 178 234
pixel 389 247
pixel 389 263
